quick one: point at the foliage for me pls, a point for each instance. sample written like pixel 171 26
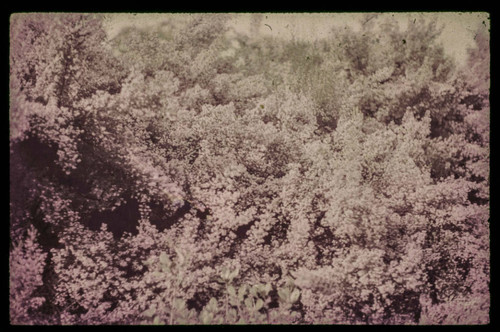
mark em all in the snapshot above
pixel 188 174
pixel 26 267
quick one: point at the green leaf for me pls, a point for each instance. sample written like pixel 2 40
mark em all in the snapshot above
pixel 253 291
pixel 241 292
pixel 259 304
pixel 284 294
pixel 249 303
pixel 263 289
pixel 232 314
pixel 156 321
pixel 179 304
pixel 267 288
pixel 212 305
pixel 231 291
pixel 212 302
pixel 224 274
pixel 295 295
pixel 150 312
pixel 234 301
pixel 206 317
pixel 182 320
pixel 234 273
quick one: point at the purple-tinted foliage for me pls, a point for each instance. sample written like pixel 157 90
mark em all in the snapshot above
pixel 187 174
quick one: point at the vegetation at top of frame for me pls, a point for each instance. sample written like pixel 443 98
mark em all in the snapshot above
pixel 189 174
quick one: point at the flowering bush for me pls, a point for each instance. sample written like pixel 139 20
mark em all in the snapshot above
pixel 188 174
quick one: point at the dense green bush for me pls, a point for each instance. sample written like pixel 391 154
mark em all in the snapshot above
pixel 187 174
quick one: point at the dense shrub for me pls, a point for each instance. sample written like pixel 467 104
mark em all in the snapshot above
pixel 184 174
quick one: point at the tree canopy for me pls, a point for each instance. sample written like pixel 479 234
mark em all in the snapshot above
pixel 185 173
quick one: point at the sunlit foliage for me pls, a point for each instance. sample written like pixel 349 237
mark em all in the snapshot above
pixel 187 174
